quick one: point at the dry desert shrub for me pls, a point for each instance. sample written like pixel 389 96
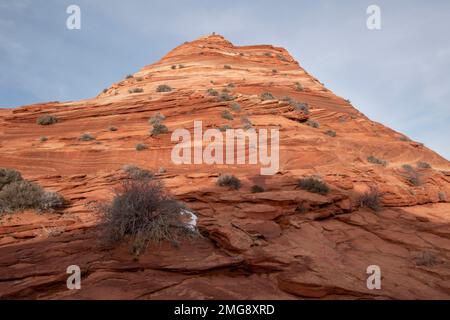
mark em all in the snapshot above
pixel 143 213
pixel 230 181
pixel 313 185
pixel 46 120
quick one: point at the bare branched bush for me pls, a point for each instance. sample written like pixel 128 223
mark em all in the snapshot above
pixel 370 199
pixel 143 213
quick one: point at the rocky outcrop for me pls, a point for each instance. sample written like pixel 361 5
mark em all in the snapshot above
pixel 283 243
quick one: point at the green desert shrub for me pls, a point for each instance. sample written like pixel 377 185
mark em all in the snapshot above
pixel 236 107
pixel 313 124
pixel 442 196
pixel 163 88
pixel 267 96
pixel 129 76
pixel 157 118
pixel 230 181
pixel 370 199
pixel 112 128
pixel 139 79
pixel 281 57
pixel 212 92
pixel 313 185
pixel 227 115
pixel 375 160
pixel 158 128
pixel 162 170
pixel 225 96
pixel 302 106
pixel 135 90
pixel 141 146
pixel 141 212
pixel 331 133
pixel 426 259
pixel 411 175
pixel 8 176
pixel 298 86
pixel 46 120
pixel 224 128
pixel 246 123
pixel 174 67
pixel 51 201
pixel 86 137
pixel 18 194
pixel 136 173
pixel 43 139
pixel 257 189
pixel 423 165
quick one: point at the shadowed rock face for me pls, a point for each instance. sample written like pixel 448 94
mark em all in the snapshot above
pixel 284 243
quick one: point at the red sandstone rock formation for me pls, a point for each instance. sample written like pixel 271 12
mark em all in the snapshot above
pixel 255 245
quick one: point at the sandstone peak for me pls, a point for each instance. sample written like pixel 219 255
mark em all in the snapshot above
pixel 295 243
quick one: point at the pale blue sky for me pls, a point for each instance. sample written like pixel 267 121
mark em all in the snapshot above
pixel 399 75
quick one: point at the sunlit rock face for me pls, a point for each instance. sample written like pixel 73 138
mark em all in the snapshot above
pixel 284 242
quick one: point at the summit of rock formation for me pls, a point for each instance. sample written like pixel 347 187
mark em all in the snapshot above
pixel 283 243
